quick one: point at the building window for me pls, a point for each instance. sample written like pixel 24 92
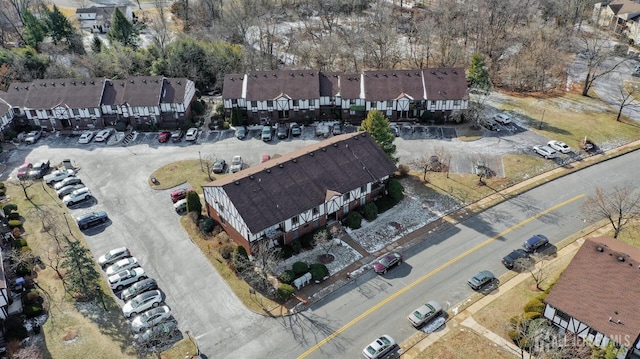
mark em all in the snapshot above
pixel 76 112
pixel 346 196
pixel 315 211
pixel 294 220
pixel 234 101
pixel 456 102
pixel 389 103
pixel 352 101
pixel 372 104
pixel 49 113
pixel 312 102
pixel 296 103
pixel 254 103
pixel 562 315
pixel 270 103
pixel 363 189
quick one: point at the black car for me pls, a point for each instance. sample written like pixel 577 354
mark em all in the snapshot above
pixel 139 287
pixel 516 259
pixel 177 135
pixel 536 242
pixel 282 132
pixel 481 280
pixel 39 169
pixel 219 166
pixel 92 219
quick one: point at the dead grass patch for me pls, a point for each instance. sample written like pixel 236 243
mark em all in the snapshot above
pixel 495 316
pixel 463 343
pixel 176 173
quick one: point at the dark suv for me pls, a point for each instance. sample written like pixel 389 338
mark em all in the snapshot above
pixel 92 219
pixel 39 169
pixel 536 242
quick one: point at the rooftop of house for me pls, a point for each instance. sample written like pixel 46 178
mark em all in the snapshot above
pixel 624 7
pixel 294 84
pixel 445 83
pixel 51 93
pixel 601 287
pixel 345 85
pixel 276 190
pixel 393 84
pixel 145 91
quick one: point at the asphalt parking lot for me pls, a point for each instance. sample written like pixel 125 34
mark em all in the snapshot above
pixel 144 220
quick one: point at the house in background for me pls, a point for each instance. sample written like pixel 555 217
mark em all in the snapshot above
pixel 621 16
pixel 304 95
pixel 79 104
pixel 283 198
pixel 598 295
pixel 98 19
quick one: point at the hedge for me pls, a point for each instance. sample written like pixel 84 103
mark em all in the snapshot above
pixel 9 207
pixel 240 259
pixel 353 220
pixel 370 211
pixel 284 291
pixel 300 268
pixel 528 316
pixel 15 223
pixel 287 276
pixel 18 243
pixel 226 250
pixel 14 215
pixel 207 225
pixel 318 271
pixel 32 310
pixel 534 305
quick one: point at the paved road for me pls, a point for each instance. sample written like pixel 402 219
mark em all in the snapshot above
pixel 118 177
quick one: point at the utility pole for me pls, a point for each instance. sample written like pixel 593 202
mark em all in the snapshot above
pixel 541 120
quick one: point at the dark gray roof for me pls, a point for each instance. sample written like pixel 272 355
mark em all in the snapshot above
pixel 391 84
pixel 446 84
pixel 135 91
pixel 4 106
pixel 72 93
pixel 295 84
pixel 336 83
pixel 174 90
pixel 271 192
pixel 17 94
pixel 232 87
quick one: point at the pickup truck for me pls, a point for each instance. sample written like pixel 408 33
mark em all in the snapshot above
pixel 33 137
pixel 58 176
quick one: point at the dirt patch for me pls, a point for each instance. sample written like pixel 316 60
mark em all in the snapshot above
pixel 326 258
pixel 70 335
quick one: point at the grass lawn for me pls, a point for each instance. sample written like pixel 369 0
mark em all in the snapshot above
pixel 495 316
pixel 463 343
pixel 176 173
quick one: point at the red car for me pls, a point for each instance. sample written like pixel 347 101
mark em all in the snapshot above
pixel 265 158
pixel 180 194
pixel 23 170
pixel 164 136
pixel 387 261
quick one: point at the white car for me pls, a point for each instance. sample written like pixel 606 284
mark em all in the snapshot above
pixel 236 164
pixel 150 318
pixel 57 176
pixel 76 196
pixel 142 302
pixel 33 137
pixel 192 134
pixel 545 151
pixel 71 180
pixel 103 135
pixel 125 278
pixel 86 137
pixel 379 347
pixel 502 119
pixel 181 205
pixel 123 264
pixel 559 146
pixel 113 256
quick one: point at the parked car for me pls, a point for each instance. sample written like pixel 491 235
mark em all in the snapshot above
pixel 57 176
pixel 176 136
pixel 517 259
pixel 295 129
pixel 138 288
pixel 71 180
pixel 113 256
pixel 23 170
pixel 179 194
pixel 192 134
pixel 266 133
pixel 265 158
pixel 503 119
pixel 125 278
pixel 395 130
pixel 86 137
pixel 559 146
pixel 141 303
pixel 219 166
pixel 77 196
pixel 122 264
pixel 39 169
pixel 386 262
pixel 91 219
pixel 322 130
pixel 489 124
pixel 103 135
pixel 157 334
pixel 241 132
pixel 336 129
pixel 282 131
pixel 68 189
pixel 236 164
pixel 481 280
pixel 545 151
pixel 425 313
pixel 164 136
pixel 150 318
pixel 379 347
pixel 180 206
pixel 535 242
pixel 33 137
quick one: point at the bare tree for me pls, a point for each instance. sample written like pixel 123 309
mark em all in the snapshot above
pixel 596 50
pixel 539 271
pixel 325 239
pixel 618 207
pixel 160 32
pixel 426 164
pixel 266 258
pixel 625 97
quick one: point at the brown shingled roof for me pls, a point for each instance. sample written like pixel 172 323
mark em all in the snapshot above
pixel 296 84
pixel 597 286
pixel 445 84
pixel 72 93
pixel 17 94
pixel 232 87
pixel 271 192
pixel 173 90
pixel 391 84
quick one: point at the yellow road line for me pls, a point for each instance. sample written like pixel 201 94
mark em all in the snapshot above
pixel 435 271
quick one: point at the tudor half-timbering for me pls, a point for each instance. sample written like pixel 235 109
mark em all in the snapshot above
pixel 598 295
pixel 305 95
pixel 288 196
